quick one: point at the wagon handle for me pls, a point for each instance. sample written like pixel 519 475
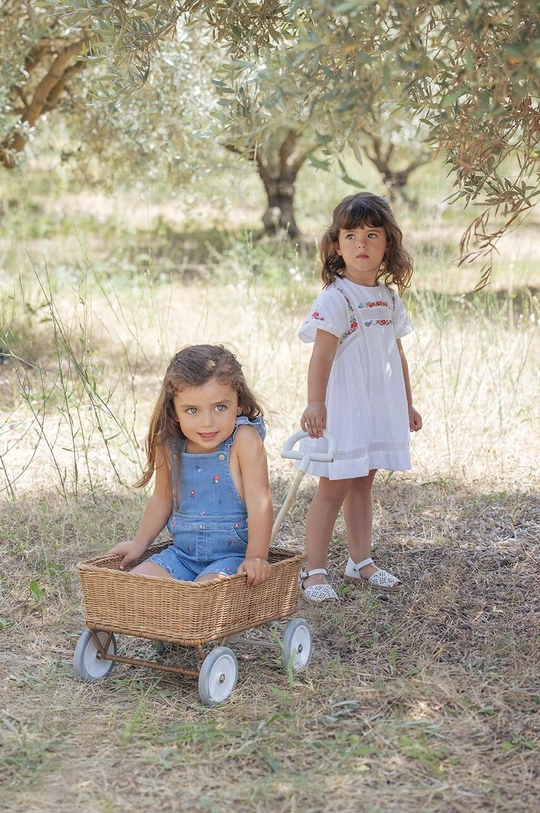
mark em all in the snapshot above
pixel 317 457
pixel 306 459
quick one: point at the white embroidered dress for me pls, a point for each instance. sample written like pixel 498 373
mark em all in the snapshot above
pixel 366 400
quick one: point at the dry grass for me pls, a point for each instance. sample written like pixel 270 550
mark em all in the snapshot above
pixel 428 701
pixel 423 701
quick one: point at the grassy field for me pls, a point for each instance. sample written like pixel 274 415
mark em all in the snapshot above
pixel 428 701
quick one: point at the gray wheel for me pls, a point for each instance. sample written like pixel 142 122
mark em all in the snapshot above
pixel 297 645
pixel 218 675
pixel 87 660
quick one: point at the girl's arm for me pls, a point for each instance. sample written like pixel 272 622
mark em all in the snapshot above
pixel 156 514
pixel 253 466
pixel 313 419
pixel 415 419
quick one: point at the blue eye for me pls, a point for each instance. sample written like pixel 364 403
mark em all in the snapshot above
pixel 221 408
pixel 191 410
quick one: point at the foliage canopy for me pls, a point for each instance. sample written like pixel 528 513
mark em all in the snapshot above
pixel 468 70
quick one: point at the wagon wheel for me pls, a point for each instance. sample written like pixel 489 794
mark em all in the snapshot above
pixel 87 658
pixel 297 643
pixel 218 675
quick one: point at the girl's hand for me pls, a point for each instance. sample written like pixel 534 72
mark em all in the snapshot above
pixel 313 419
pixel 415 419
pixel 256 569
pixel 130 550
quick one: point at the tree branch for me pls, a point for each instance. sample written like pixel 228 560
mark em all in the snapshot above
pixel 50 80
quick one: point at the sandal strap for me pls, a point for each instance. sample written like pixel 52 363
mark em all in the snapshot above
pixel 305 574
pixel 363 563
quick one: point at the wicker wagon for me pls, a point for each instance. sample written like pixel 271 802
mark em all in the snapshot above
pixel 192 614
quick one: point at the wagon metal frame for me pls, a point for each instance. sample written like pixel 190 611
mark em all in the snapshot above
pixel 192 614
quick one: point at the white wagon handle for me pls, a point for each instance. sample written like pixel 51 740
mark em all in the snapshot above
pixel 306 459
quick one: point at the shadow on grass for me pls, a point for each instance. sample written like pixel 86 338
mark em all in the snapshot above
pixel 416 699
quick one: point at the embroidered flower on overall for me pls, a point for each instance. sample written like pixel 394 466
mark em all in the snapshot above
pixel 192 492
pixel 216 478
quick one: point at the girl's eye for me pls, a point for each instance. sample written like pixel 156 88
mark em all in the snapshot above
pixel 372 234
pixel 221 408
pixel 191 410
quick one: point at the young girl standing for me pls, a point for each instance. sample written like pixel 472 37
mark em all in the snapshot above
pixel 358 384
pixel 205 448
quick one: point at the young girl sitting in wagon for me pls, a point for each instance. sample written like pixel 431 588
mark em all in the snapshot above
pixel 205 448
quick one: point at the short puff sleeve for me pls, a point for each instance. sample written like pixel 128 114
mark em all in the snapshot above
pixel 402 323
pixel 329 312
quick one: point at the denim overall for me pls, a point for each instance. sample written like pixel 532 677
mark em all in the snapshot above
pixel 209 528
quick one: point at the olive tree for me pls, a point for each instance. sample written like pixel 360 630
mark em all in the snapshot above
pixel 277 144
pixel 469 68
pixel 38 65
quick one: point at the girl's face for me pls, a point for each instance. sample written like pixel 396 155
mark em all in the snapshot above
pixel 207 415
pixel 363 251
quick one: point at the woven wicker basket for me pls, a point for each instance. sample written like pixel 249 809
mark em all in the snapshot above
pixel 184 612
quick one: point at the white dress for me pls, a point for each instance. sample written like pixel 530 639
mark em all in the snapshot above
pixel 365 399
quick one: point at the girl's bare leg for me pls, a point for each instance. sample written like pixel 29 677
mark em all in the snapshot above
pixel 209 577
pixel 320 521
pixel 358 515
pixel 151 569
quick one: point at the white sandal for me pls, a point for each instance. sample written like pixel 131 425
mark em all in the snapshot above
pixel 381 580
pixel 316 593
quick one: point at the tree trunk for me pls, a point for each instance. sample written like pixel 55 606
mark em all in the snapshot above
pixel 278 162
pixel 279 215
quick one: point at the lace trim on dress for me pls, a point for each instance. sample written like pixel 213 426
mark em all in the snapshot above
pixel 365 451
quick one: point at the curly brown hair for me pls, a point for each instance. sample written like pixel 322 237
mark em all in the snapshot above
pixel 193 366
pixel 366 209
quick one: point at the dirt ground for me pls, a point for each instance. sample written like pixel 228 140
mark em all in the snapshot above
pixel 427 700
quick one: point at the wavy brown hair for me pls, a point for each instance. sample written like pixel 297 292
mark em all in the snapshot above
pixel 192 367
pixel 366 210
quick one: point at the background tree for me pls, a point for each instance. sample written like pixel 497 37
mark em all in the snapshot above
pixel 38 65
pixel 277 144
pixel 277 138
pixel 471 69
pixel 160 132
pixel 395 141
